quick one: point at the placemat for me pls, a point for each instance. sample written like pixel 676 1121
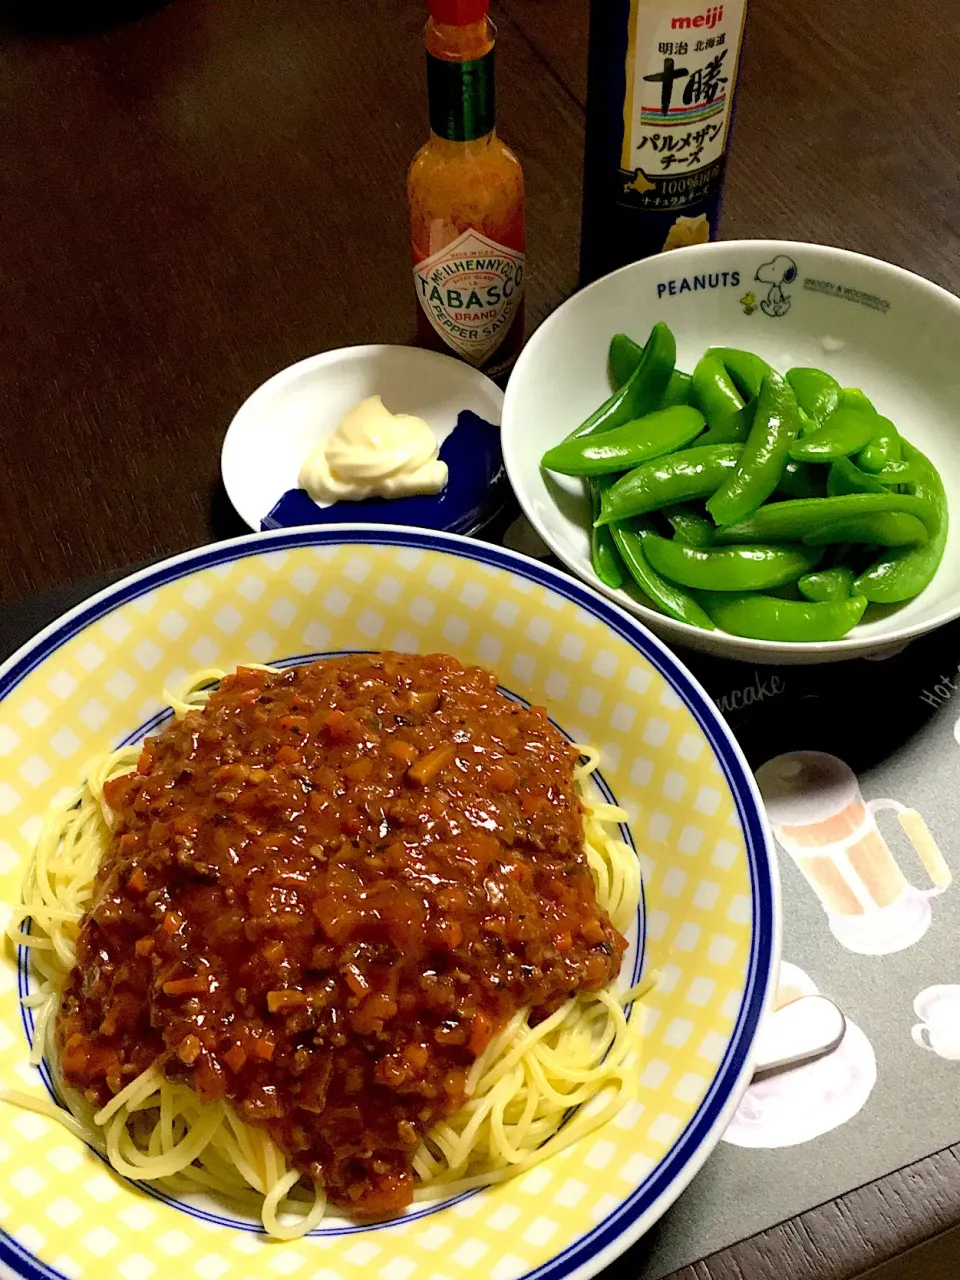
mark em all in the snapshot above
pixel 865 804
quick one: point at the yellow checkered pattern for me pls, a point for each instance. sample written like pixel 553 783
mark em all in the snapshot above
pixel 63 1205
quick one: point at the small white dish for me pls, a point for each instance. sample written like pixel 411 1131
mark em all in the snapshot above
pixel 275 429
pixel 872 325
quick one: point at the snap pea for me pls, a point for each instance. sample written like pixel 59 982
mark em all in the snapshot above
pixel 746 369
pixel 817 393
pixel 827 584
pixel 845 477
pixel 764 457
pixel 714 393
pixel 691 525
pixel 764 617
pixel 903 572
pixel 884 449
pixel 801 480
pixel 604 556
pixel 792 520
pixel 733 429
pixel 643 390
pixel 625 355
pixel 846 431
pixel 630 538
pixel 623 448
pixel 741 568
pixel 691 473
pixel 879 528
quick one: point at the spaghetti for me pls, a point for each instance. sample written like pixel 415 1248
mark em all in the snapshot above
pixel 536 1081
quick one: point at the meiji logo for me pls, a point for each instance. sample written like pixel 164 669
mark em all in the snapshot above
pixel 706 20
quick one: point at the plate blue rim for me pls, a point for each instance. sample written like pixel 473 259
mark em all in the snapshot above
pixel 637 1212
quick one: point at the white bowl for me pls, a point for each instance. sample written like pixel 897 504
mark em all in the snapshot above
pixel 277 426
pixel 870 324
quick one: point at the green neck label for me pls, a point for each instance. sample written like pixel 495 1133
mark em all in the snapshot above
pixel 462 101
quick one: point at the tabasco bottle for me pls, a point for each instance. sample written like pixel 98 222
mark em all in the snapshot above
pixel 465 189
pixel 659 109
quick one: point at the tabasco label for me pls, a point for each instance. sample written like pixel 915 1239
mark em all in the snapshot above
pixel 470 291
pixel 681 70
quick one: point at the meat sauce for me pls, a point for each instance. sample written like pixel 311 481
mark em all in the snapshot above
pixel 322 897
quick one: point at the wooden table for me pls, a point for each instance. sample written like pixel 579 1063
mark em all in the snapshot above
pixel 194 199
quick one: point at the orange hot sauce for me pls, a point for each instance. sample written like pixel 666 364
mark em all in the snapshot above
pixel 465 189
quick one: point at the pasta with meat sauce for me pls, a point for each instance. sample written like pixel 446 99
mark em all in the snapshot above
pixel 345 932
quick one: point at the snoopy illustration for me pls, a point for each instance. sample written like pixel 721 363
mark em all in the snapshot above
pixel 782 270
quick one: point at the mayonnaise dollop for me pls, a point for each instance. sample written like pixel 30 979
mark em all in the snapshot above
pixel 374 454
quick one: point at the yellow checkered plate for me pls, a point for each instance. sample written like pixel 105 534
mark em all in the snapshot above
pixel 710 926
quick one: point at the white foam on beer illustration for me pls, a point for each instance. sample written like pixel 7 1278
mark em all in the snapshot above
pixel 821 819
pixel 800 1104
pixel 938 1030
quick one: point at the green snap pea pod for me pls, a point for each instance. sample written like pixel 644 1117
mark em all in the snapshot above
pixel 630 538
pixel 817 393
pixel 607 564
pixel 741 568
pixel 900 472
pixel 746 369
pixel 903 572
pixel 845 477
pixel 764 455
pixel 623 448
pixel 733 429
pixel 625 355
pixel 884 449
pixel 678 477
pixel 792 520
pixel 827 584
pixel 854 398
pixel 801 480
pixel 691 525
pixel 643 390
pixel 881 528
pixel 764 617
pixel 714 393
pixel 846 431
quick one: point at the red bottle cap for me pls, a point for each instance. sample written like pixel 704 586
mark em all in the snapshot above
pixel 458 13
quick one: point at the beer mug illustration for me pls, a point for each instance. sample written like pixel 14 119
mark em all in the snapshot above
pixel 819 816
pixel 938 1030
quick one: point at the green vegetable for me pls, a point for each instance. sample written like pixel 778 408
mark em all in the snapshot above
pixel 625 447
pixel 630 538
pixel 844 477
pixel 884 450
pixel 764 457
pixel 742 568
pixel 801 480
pixel 817 393
pixel 733 429
pixel 902 573
pixel 762 617
pixel 793 520
pixel 643 390
pixel 747 370
pixel 607 564
pixel 880 528
pixel 827 584
pixel 691 525
pixel 846 431
pixel 623 358
pixel 714 392
pixel 691 473
pixel 625 355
